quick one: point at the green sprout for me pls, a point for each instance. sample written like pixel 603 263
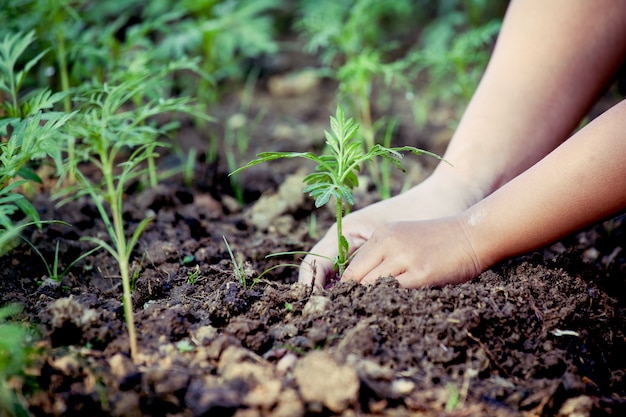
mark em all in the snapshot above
pixel 54 271
pixel 193 275
pixel 239 267
pixel 336 174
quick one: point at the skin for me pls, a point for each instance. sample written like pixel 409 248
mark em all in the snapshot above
pixel 514 185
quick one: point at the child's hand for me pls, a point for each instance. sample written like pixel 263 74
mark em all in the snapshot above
pixel 437 196
pixel 417 253
pixel 318 270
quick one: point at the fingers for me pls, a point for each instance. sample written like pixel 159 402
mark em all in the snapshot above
pixel 365 265
pixel 315 270
pixel 318 266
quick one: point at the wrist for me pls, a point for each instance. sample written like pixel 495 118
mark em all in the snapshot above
pixel 481 244
pixel 455 192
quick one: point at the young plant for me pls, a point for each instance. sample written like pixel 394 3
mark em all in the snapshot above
pixel 225 34
pixel 54 271
pixel 239 267
pixel 243 273
pixel 119 137
pixel 29 130
pixel 336 174
pixel 237 134
pixel 193 274
pixel 453 58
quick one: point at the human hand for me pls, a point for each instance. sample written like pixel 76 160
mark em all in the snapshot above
pixel 318 266
pixel 437 196
pixel 417 253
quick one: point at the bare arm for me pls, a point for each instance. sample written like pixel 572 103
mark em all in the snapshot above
pixel 581 182
pixel 551 61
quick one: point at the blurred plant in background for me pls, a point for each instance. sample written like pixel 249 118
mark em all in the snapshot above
pixel 378 49
pixel 15 356
pixel 452 53
pixel 29 131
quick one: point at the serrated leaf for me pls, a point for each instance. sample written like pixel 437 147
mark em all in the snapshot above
pixel 323 198
pixel 351 180
pixel 315 186
pixel 346 194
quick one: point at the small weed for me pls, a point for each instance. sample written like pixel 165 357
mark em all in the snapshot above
pixel 454 397
pixel 336 174
pixel 239 268
pixel 193 275
pixel 184 346
pixel 188 259
pixel 53 271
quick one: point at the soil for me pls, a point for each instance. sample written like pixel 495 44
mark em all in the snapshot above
pixel 540 335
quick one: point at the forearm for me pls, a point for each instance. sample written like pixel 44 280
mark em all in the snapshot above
pixel 581 182
pixel 550 62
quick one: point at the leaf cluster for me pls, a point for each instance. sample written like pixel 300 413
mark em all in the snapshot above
pixel 447 55
pixel 340 28
pixel 99 39
pixel 226 33
pixel 14 356
pixel 119 135
pixel 336 173
pixel 29 130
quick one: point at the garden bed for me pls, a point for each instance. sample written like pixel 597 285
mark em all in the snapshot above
pixel 540 335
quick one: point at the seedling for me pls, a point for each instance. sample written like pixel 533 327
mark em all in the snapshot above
pixel 119 137
pixel 239 267
pixel 28 131
pixel 242 273
pixel 356 43
pixel 193 275
pixel 53 271
pixel 336 174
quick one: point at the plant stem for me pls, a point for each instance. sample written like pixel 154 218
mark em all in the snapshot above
pixel 114 197
pixel 342 256
pixel 65 87
pixel 128 306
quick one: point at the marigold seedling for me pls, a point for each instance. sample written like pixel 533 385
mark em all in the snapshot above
pixel 336 173
pixel 29 130
pixel 119 136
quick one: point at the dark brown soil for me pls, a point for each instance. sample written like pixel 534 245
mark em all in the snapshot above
pixel 540 335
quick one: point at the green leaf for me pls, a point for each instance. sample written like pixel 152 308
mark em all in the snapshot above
pixel 28 174
pixel 270 156
pixel 28 209
pixel 138 231
pixel 323 197
pixel 344 249
pixel 346 194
